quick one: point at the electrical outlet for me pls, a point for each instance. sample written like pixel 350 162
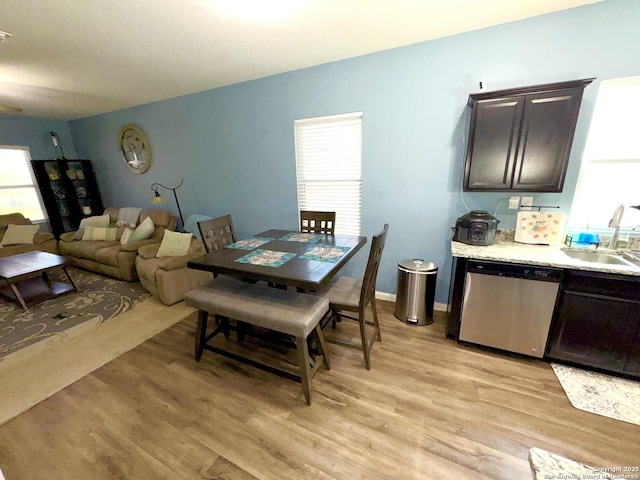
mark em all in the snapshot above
pixel 526 203
pixel 514 203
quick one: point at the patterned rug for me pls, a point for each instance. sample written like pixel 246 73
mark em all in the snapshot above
pixel 99 299
pixel 601 394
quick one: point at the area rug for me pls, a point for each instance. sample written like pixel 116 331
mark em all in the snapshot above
pixel 97 300
pixel 601 394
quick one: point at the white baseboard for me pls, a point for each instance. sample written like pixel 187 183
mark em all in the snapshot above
pixel 390 297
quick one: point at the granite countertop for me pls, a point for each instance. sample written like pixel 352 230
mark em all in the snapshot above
pixel 506 250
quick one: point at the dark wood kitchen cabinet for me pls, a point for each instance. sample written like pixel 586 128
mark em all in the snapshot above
pixel 69 192
pixel 597 322
pixel 520 139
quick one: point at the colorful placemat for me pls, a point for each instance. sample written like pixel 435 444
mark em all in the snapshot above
pixel 325 253
pixel 303 237
pixel 266 258
pixel 250 243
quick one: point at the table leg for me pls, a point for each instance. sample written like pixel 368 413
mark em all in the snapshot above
pixel 73 284
pixel 16 292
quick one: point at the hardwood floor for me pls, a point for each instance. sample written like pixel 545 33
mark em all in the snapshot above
pixel 428 409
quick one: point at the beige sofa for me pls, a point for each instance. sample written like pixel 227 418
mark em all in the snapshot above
pixel 169 278
pixel 45 241
pixel 110 257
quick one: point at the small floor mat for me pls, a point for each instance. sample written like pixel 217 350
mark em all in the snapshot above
pixel 601 394
pixel 545 465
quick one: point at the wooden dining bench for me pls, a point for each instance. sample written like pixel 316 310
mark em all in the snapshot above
pixel 291 313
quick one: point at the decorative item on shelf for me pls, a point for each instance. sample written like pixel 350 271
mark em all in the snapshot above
pixel 63 208
pixel 79 175
pixel 53 176
pixel 81 192
pixel 58 191
pixel 71 174
pixel 157 199
pixel 56 143
pixel 86 210
pixel 135 148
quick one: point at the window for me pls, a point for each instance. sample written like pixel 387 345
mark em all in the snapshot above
pixel 611 163
pixel 18 191
pixel 329 167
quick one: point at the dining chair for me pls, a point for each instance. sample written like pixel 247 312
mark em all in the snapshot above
pixel 348 294
pixel 217 232
pixel 317 222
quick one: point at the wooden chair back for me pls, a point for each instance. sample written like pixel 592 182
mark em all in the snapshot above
pixel 217 232
pixel 371 272
pixel 317 222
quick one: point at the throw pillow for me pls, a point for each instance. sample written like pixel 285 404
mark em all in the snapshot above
pixel 174 244
pixel 126 235
pixel 19 234
pixel 100 233
pixel 95 221
pixel 142 231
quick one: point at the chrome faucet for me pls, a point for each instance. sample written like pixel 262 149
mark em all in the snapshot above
pixel 615 224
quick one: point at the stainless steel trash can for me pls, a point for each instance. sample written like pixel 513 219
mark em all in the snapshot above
pixel 416 291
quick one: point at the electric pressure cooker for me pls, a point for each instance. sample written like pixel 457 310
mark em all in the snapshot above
pixel 476 228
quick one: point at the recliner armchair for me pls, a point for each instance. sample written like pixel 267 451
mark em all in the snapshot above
pixel 169 278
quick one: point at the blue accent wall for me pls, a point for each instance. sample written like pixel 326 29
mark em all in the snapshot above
pixel 234 146
pixel 35 133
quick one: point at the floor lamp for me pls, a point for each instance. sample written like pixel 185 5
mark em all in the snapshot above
pixel 157 199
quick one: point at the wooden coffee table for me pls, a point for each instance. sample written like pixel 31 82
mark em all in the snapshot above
pixel 26 275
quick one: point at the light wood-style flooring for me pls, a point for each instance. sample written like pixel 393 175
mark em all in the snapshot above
pixel 428 409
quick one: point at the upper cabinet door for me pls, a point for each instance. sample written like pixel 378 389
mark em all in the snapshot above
pixel 493 143
pixel 520 139
pixel 548 124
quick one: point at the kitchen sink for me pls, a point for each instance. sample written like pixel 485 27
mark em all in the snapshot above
pixel 598 257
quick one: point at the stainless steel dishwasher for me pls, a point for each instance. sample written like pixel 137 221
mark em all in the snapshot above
pixel 509 306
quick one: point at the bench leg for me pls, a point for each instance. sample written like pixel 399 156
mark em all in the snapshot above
pixel 323 347
pixel 304 360
pixel 201 333
pixel 242 329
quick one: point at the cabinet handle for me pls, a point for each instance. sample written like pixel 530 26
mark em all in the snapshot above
pixel 604 297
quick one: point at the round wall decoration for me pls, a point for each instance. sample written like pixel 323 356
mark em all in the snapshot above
pixel 135 148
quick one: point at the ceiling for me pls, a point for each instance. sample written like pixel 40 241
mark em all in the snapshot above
pixel 75 58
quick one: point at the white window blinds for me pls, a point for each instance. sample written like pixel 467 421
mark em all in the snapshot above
pixel 329 167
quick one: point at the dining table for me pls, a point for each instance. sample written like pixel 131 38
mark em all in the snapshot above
pixel 305 261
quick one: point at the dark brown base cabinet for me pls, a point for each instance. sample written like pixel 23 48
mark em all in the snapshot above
pixel 69 191
pixel 597 322
pixel 520 139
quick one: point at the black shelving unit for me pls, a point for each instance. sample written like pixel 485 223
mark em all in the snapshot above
pixel 69 191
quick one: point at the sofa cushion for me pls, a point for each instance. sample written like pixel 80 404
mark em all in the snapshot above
pixel 162 219
pixel 88 249
pixel 19 234
pixel 174 244
pixel 95 221
pixel 142 231
pixel 13 218
pixel 108 255
pixel 99 233
pixel 126 235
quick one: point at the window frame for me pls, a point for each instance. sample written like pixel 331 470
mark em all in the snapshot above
pixel 609 145
pixel 34 182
